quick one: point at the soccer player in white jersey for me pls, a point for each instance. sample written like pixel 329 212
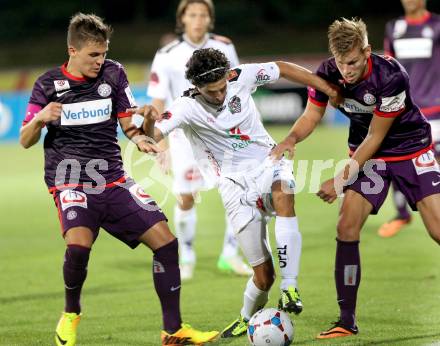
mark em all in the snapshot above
pixel 223 125
pixel 194 19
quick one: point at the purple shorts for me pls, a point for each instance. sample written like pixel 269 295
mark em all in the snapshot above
pixel 125 210
pixel 416 178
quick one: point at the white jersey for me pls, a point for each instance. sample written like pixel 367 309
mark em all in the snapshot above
pixel 168 82
pixel 229 139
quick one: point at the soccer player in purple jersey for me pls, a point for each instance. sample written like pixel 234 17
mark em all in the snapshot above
pixel 80 103
pixel 414 40
pixel 389 140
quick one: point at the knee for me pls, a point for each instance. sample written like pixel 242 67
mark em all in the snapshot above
pixel 347 230
pixel 186 202
pixel 265 281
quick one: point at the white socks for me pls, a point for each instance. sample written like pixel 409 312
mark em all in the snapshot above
pixel 230 243
pixel 185 225
pixel 253 299
pixel 289 243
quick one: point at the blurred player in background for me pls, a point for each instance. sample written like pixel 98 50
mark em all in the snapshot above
pixel 194 19
pixel 80 104
pixel 414 40
pixel 385 125
pixel 223 125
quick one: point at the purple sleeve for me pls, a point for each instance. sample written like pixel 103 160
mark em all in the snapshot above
pixel 315 96
pixel 37 102
pixel 124 96
pixel 393 96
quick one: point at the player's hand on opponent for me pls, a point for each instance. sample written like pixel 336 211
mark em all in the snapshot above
pixel 149 112
pixel 51 112
pixel 147 145
pixel 287 145
pixel 330 190
pixel 335 96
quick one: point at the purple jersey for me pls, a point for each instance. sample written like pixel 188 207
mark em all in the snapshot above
pixel 416 44
pixel 82 146
pixel 383 91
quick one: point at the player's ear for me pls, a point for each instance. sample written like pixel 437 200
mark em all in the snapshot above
pixel 367 51
pixel 71 50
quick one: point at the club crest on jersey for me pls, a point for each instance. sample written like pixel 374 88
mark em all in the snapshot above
pixel 61 84
pixel 369 99
pixel 104 90
pixel 427 32
pixel 234 104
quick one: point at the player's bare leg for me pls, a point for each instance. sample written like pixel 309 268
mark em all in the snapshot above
pixel 429 208
pixel 289 244
pixel 352 215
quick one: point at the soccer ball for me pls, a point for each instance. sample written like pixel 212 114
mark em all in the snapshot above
pixel 270 327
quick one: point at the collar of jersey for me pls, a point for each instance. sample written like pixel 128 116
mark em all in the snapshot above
pixel 426 16
pixel 69 75
pixel 192 44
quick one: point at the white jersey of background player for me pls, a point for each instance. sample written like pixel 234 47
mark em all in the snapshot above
pixel 168 82
pixel 222 123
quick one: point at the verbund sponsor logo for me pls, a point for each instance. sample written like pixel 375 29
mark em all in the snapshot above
pixel 85 113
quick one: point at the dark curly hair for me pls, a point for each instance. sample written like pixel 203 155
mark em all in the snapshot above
pixel 206 66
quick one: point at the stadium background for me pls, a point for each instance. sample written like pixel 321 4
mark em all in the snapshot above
pixel 399 298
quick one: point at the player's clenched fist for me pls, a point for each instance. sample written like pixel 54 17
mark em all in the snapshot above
pixel 51 112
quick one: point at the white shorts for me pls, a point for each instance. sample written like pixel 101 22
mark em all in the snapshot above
pixel 248 196
pixel 435 130
pixel 187 176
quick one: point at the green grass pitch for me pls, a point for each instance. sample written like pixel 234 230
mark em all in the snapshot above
pixel 399 297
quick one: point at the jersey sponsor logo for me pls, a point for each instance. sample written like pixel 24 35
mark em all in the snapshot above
pixel 72 198
pixel 353 106
pixel 369 99
pixel 130 96
pixel 262 77
pixel 393 103
pixel 61 85
pixel 426 163
pixel 234 104
pixel 85 113
pixel 104 90
pixel 235 132
pixel 413 48
pixel 137 191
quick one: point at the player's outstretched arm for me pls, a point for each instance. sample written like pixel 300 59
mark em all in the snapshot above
pixel 31 132
pixel 302 128
pixel 377 131
pixel 299 74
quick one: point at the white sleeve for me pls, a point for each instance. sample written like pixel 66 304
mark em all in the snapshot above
pixel 254 75
pixel 174 117
pixel 159 84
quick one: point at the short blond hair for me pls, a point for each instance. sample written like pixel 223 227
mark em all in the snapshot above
pixel 344 35
pixel 181 8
